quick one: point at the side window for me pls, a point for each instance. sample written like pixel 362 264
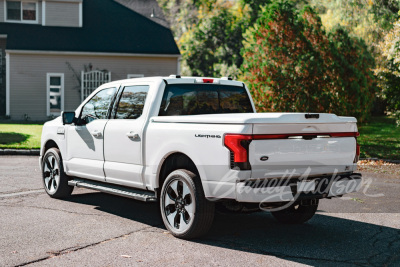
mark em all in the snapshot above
pixel 132 101
pixel 97 107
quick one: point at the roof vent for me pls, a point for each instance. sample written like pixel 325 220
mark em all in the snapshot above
pixel 175 76
pixel 226 78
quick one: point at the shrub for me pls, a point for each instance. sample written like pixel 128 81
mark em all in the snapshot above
pixel 291 64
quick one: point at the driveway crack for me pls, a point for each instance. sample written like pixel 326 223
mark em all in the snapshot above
pixel 45 208
pixel 58 253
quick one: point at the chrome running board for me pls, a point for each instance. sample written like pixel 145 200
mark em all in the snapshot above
pixel 141 195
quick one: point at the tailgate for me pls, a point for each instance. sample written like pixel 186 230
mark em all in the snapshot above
pixel 296 157
pixel 294 145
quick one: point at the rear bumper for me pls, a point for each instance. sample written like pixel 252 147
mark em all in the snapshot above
pixel 284 190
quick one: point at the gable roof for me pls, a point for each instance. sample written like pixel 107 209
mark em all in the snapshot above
pixel 107 27
pixel 146 8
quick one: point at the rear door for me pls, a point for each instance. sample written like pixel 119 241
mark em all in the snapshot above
pixel 123 138
pixel 85 157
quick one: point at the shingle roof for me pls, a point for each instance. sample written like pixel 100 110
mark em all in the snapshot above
pixel 107 27
pixel 146 8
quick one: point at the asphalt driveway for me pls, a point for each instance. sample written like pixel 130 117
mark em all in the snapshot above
pixel 96 229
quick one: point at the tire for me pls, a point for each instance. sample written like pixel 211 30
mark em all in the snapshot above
pixel 296 213
pixel 55 181
pixel 185 211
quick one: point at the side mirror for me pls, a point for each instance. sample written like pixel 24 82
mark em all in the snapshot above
pixel 68 117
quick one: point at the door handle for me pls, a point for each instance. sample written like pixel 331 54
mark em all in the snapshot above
pixel 96 133
pixel 132 135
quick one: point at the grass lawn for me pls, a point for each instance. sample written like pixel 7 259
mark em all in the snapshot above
pixel 380 138
pixel 23 136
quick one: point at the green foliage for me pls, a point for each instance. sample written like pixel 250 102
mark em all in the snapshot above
pixel 366 19
pixel 307 69
pixel 389 71
pixel 354 63
pixel 180 14
pixel 385 12
pixel 212 48
pixel 291 64
pixel 254 8
pixel 369 20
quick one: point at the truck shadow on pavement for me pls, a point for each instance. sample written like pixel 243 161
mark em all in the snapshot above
pixel 324 240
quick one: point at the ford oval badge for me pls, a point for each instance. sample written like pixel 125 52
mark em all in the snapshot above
pixel 264 158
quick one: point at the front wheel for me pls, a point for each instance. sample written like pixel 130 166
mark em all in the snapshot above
pixel 185 211
pixel 296 213
pixel 55 181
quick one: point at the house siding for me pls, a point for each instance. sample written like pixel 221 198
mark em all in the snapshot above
pixel 3 45
pixel 28 77
pixel 2 18
pixel 39 12
pixel 62 14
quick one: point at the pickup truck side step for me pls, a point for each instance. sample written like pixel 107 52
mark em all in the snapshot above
pixel 141 195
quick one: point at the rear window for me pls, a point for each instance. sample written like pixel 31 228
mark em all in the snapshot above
pixel 195 99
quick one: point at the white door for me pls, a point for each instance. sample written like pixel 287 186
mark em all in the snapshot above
pixel 85 142
pixel 123 138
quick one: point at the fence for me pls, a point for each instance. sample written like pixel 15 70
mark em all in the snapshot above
pixel 91 80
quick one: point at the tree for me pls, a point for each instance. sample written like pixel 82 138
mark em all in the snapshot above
pixel 389 71
pixel 180 14
pixel 212 48
pixel 291 64
pixel 366 19
pixel 354 64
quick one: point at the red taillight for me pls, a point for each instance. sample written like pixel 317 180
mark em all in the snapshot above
pixel 233 143
pixel 357 157
pixel 285 136
pixel 345 134
pixel 206 80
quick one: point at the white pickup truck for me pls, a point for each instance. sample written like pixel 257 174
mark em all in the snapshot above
pixel 194 144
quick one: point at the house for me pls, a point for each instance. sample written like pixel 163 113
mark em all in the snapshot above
pixel 53 53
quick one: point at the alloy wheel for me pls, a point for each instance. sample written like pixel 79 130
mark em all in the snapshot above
pixel 179 205
pixel 51 174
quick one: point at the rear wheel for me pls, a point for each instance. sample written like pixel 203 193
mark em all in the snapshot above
pixel 298 212
pixel 55 181
pixel 185 211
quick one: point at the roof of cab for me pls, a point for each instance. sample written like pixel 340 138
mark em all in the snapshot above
pixel 173 79
pixel 177 79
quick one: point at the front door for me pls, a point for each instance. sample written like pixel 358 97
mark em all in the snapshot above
pixel 123 138
pixel 85 142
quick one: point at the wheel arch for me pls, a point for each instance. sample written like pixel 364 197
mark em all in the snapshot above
pixel 49 144
pixel 173 161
